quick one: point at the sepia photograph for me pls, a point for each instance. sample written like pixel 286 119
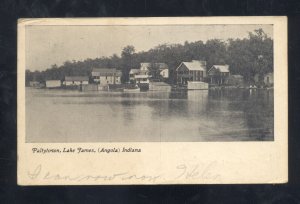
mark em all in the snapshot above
pixel 185 100
pixel 149 83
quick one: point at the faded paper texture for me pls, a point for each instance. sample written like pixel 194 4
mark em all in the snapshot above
pixel 152 101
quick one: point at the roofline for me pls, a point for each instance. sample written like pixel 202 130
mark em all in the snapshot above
pixel 210 69
pixel 218 65
pixel 179 65
pixel 105 68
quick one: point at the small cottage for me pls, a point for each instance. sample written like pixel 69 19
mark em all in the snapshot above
pixel 34 84
pixel 145 66
pixel 218 74
pixel 142 79
pixel 269 78
pixel 191 71
pixel 76 80
pixel 106 76
pixel 53 83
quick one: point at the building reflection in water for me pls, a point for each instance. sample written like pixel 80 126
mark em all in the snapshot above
pixel 199 115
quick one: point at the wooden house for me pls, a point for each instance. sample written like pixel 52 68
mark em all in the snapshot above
pixel 235 80
pixel 105 76
pixel 145 66
pixel 142 81
pixel 191 71
pixel 76 80
pixel 218 74
pixel 155 70
pixel 164 73
pixel 34 84
pixel 53 83
pixel 266 79
pixel 132 73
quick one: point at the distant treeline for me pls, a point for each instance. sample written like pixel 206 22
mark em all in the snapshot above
pixel 247 57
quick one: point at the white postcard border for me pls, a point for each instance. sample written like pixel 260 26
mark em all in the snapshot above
pixel 161 162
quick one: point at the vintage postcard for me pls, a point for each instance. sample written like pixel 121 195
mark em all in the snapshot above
pixel 189 100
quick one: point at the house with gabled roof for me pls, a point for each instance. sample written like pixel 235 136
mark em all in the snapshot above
pixel 163 70
pixel 156 69
pixel 266 79
pixel 105 76
pixel 145 66
pixel 133 73
pixel 218 74
pixel 191 71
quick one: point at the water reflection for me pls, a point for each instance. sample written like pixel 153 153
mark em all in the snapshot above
pixel 200 115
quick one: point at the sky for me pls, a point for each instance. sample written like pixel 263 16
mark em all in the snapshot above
pixel 48 45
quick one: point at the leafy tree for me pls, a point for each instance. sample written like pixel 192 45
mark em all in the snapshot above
pixel 251 56
pixel 247 57
pixel 127 57
pixel 215 52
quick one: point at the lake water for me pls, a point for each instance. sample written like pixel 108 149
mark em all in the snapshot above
pixel 183 116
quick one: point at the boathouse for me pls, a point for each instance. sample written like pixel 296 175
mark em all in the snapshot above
pixel 191 71
pixel 266 79
pixel 76 80
pixel 218 74
pixel 106 76
pixel 142 81
pixel 132 73
pixel 34 84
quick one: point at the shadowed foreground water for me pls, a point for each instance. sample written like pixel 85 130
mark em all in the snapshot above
pixel 186 116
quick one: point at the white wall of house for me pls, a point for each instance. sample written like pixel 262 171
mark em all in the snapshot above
pixel 104 80
pixel 197 85
pixel 72 83
pixel 142 79
pixel 145 67
pixel 165 73
pixel 34 83
pixel 53 83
